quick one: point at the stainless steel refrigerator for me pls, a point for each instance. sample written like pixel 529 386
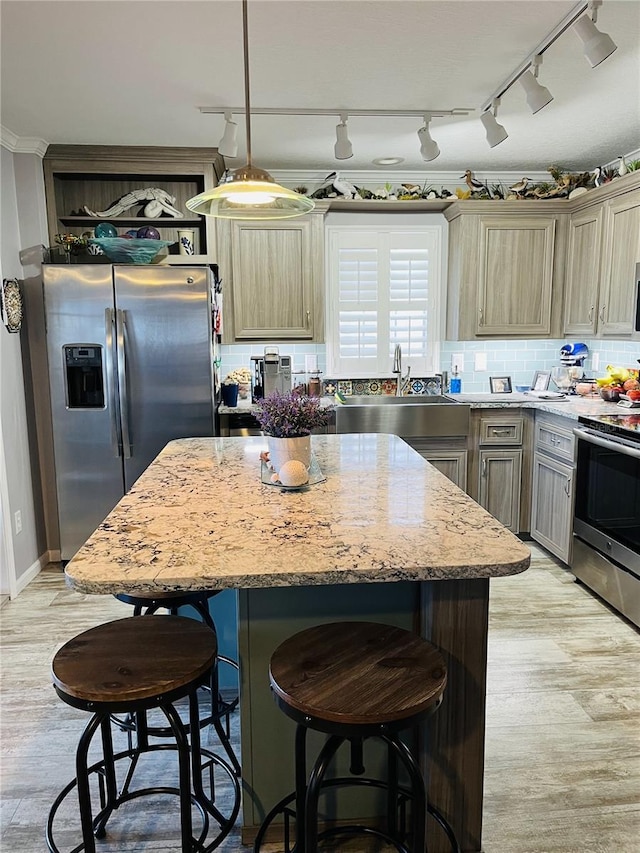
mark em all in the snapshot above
pixel 130 353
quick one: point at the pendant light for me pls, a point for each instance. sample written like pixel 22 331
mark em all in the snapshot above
pixel 249 193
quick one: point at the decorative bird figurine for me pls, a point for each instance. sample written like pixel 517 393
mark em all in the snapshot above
pixel 344 187
pixel 520 187
pixel 598 177
pixel 474 185
pixel 622 168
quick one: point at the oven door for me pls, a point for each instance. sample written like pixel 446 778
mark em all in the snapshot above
pixel 607 507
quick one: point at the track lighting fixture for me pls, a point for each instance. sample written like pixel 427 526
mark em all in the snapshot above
pixel 537 96
pixel 495 132
pixel 428 147
pixel 228 145
pixel 597 46
pixel 343 148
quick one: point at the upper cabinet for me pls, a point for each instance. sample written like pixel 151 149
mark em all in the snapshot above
pixel 273 279
pixel 97 176
pixel 505 269
pixel 604 248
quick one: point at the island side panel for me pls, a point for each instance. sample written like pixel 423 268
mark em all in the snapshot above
pixel 455 617
pixel 266 618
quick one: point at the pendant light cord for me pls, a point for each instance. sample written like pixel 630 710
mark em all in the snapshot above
pixel 245 35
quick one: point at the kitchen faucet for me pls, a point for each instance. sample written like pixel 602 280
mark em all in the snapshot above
pixel 397 369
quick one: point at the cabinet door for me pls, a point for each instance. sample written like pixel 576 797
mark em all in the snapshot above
pixel 583 272
pixel 499 486
pixel 451 463
pixel 274 269
pixel 515 276
pixel 552 506
pixel 621 254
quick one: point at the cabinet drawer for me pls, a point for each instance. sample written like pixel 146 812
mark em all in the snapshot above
pixel 554 440
pixel 501 431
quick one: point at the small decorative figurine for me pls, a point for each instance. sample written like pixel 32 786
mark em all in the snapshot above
pixel 622 168
pixel 158 202
pixel 474 185
pixel 520 187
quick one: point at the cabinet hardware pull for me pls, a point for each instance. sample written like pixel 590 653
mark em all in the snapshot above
pixel 484 467
pixel 591 314
pixel 497 431
pixel 602 313
pixel 481 317
pixel 555 441
pixel 308 313
pixel 567 488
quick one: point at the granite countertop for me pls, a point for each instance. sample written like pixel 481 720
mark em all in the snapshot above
pixel 200 518
pixel 570 407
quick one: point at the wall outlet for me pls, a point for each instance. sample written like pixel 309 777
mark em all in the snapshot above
pixel 480 361
pixel 457 360
pixel 17 522
pixel 595 360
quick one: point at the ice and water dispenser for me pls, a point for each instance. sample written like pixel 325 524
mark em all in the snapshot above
pixel 84 376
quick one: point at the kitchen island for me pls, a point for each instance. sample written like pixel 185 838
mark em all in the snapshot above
pixel 385 538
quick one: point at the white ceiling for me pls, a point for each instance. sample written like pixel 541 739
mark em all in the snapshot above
pixel 134 72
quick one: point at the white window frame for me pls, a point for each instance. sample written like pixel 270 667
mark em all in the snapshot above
pixel 433 228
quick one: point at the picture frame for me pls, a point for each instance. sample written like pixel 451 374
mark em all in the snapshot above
pixel 500 384
pixel 11 304
pixel 540 381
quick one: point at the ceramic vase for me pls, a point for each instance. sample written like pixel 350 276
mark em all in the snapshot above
pixel 186 242
pixel 281 450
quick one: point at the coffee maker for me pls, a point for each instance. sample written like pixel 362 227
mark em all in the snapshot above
pixel 270 372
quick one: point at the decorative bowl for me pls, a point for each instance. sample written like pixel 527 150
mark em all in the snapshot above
pixel 610 395
pixel 126 250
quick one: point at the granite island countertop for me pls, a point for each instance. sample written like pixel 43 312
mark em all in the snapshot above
pixel 200 518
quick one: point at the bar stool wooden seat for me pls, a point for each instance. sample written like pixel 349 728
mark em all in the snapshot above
pixel 354 681
pixel 220 709
pixel 133 666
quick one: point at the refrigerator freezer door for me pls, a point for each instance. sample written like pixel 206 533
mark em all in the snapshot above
pixel 165 359
pixel 89 474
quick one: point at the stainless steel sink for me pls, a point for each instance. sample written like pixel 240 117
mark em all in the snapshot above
pixel 386 400
pixel 407 417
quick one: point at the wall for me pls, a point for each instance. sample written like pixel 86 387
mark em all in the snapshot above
pixel 24 549
pixel 518 359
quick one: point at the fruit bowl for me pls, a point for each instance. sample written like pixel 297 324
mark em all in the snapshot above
pixel 125 250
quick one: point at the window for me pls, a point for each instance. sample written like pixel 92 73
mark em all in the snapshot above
pixel 384 289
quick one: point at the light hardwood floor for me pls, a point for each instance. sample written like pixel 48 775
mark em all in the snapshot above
pixel 563 727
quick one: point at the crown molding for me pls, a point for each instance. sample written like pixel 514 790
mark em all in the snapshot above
pixel 22 144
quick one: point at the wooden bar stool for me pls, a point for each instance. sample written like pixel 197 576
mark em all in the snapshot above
pixel 354 681
pixel 220 709
pixel 132 666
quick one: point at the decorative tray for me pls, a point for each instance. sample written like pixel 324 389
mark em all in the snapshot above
pixel 315 476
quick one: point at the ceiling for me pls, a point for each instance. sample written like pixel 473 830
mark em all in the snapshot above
pixel 135 72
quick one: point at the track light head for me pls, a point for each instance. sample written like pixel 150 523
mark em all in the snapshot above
pixel 343 149
pixel 537 96
pixel 597 46
pixel 428 147
pixel 228 145
pixel 495 132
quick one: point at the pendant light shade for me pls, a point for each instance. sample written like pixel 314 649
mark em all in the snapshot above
pixel 249 192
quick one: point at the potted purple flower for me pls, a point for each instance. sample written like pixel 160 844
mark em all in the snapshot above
pixel 288 420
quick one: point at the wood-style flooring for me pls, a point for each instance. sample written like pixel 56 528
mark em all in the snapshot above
pixel 563 723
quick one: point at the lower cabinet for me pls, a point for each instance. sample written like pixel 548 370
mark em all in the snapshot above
pixel 449 456
pixel 552 495
pixel 552 505
pixel 499 485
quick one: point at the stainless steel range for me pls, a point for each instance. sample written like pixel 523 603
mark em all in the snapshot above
pixel 607 510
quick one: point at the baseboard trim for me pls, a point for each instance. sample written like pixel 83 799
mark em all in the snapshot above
pixel 32 572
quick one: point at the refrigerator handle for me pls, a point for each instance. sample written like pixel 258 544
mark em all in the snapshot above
pixel 122 385
pixel 110 362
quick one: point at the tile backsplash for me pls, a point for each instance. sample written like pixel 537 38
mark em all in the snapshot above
pixel 518 359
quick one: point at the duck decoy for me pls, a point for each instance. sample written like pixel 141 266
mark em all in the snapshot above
pixel 520 187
